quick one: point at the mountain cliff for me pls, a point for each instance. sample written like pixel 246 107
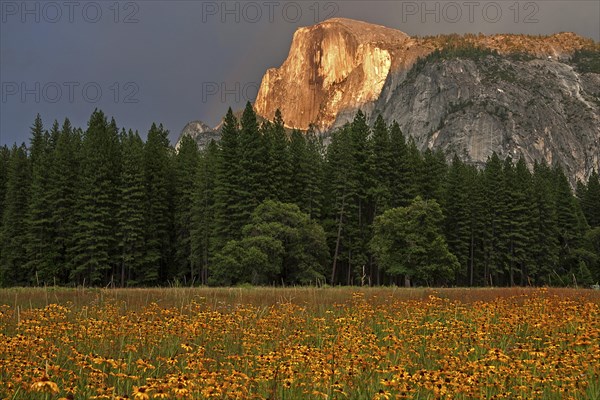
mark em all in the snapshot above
pixel 334 66
pixel 534 96
pixel 204 134
pixel 200 132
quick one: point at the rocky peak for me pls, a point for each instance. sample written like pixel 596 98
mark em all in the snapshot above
pixel 337 64
pixel 471 95
pixel 340 65
pixel 198 131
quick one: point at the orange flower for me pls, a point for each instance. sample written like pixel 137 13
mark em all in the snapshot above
pixel 140 393
pixel 45 385
pixel 181 390
pixel 160 394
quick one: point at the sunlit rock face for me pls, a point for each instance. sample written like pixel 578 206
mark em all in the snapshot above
pixel 540 106
pixel 337 65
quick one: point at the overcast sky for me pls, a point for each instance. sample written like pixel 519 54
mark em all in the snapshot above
pixel 176 61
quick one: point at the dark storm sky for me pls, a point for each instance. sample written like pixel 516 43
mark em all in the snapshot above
pixel 176 61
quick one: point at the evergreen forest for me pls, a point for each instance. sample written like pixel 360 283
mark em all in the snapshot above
pixel 270 206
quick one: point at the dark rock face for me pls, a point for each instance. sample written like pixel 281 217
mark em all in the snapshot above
pixel 538 109
pixel 526 100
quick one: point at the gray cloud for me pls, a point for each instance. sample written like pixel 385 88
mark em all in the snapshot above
pixel 175 61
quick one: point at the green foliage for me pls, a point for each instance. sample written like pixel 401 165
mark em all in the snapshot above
pixel 592 248
pixel 229 187
pixel 41 252
pixel 518 225
pixel 132 227
pixel 186 166
pixel 544 247
pixel 408 241
pixel 381 166
pixel 590 200
pixel 270 206
pixel 4 157
pixel 306 172
pixel 433 175
pixel 203 223
pixel 65 180
pixel 254 260
pixel 13 255
pixel 95 245
pixel 457 228
pixel 349 180
pixel 587 60
pixel 159 205
pixel 279 160
pixel 253 162
pixel 404 167
pixel 281 244
pixel 452 49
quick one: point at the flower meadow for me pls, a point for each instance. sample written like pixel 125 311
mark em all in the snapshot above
pixel 310 343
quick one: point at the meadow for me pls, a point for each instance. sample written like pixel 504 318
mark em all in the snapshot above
pixel 299 343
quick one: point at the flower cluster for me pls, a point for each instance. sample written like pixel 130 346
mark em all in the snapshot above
pixel 534 345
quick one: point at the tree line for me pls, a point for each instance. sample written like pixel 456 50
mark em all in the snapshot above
pixel 266 206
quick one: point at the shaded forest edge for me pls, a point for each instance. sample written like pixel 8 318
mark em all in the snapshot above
pixel 265 206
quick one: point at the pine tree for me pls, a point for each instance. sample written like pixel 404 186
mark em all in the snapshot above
pixel 279 165
pixel 415 167
pixel 203 221
pixel 252 160
pixel 518 224
pixel 229 184
pixel 4 157
pixel 361 177
pixel 403 172
pixel 570 229
pixel 186 162
pixel 13 254
pixel 380 164
pixel 101 207
pixel 476 224
pixel 159 205
pixel 132 202
pixel 298 171
pixel 338 191
pixel 590 202
pixel 95 247
pixel 580 189
pixel 495 215
pixel 312 203
pixel 349 181
pixel 53 135
pixel 305 172
pixel 433 173
pixel 544 247
pixel 64 176
pixel 41 252
pixel 37 142
pixel 457 218
pixel 117 164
